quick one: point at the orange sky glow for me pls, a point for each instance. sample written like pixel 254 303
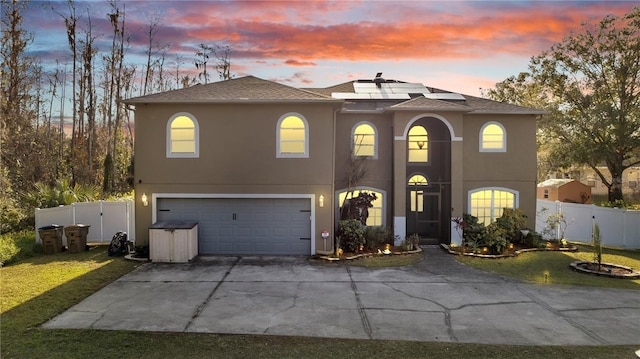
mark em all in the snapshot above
pixel 455 45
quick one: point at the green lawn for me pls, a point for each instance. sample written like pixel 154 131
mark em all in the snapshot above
pixel 37 289
pixel 533 266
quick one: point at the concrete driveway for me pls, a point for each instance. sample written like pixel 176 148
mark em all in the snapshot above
pixel 435 300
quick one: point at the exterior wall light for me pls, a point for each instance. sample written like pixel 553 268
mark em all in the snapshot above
pixel 145 200
pixel 321 201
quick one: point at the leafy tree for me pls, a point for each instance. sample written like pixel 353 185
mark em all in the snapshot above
pixel 590 85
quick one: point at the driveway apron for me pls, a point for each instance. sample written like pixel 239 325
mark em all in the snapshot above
pixel 437 299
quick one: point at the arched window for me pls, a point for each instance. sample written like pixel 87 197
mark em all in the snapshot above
pixel 493 138
pixel 292 136
pixel 182 136
pixel 418 180
pixel 416 192
pixel 488 203
pixel 364 140
pixel 376 213
pixel 418 143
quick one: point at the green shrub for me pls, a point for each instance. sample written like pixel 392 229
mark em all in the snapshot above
pixel 351 234
pixel 534 239
pixel 618 203
pixel 512 221
pixel 18 245
pixel 377 236
pixel 474 234
pixel 10 216
pixel 8 249
pixel 496 238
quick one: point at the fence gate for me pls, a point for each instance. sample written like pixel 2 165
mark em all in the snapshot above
pixel 105 219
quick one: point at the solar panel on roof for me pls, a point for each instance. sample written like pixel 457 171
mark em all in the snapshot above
pixel 370 96
pixel 393 90
pixel 389 87
pixel 444 96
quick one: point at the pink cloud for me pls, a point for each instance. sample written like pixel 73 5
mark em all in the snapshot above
pixel 421 33
pixel 299 63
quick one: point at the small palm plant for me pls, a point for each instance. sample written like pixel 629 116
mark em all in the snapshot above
pixel 596 242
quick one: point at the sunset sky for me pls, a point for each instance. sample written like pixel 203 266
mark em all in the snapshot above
pixel 455 45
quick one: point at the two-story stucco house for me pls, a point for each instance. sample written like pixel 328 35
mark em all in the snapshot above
pixel 263 167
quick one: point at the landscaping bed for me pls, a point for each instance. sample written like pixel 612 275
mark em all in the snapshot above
pixel 605 269
pixel 510 251
pixel 373 252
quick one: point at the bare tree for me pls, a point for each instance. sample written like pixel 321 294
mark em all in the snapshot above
pixel 202 58
pixel 155 57
pixel 70 22
pixel 223 61
pixel 88 103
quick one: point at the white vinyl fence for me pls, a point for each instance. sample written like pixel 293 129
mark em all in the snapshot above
pixel 105 219
pixel 618 227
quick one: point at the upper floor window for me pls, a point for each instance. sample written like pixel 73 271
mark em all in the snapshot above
pixel 418 143
pixel 292 136
pixel 364 140
pixel 182 136
pixel 488 203
pixel 493 138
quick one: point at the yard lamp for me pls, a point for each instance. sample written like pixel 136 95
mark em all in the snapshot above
pixel 145 201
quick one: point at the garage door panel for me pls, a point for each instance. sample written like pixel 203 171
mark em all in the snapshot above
pixel 244 226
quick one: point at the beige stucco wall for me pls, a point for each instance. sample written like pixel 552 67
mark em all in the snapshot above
pixel 514 169
pixel 237 156
pixel 379 171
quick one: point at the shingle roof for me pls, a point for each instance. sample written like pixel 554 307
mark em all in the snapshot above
pixel 243 89
pixel 483 105
pixel 423 103
pixel 470 104
pixel 327 91
pixel 253 89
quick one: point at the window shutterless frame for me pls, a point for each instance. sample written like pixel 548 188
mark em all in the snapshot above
pixel 183 136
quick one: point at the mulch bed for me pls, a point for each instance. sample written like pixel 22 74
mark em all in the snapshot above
pixel 605 269
pixel 393 250
pixel 510 252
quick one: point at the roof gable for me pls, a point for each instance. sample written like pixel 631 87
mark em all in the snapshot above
pixel 327 91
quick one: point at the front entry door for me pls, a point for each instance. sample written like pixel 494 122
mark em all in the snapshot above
pixel 424 213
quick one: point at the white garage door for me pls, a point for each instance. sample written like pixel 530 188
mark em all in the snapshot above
pixel 264 226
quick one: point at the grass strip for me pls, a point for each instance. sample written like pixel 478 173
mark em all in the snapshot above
pixel 552 267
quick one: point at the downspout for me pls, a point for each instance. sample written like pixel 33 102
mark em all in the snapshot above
pixel 333 178
pixel 391 198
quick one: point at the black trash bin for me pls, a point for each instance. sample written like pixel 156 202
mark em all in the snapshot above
pixel 77 237
pixel 51 237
